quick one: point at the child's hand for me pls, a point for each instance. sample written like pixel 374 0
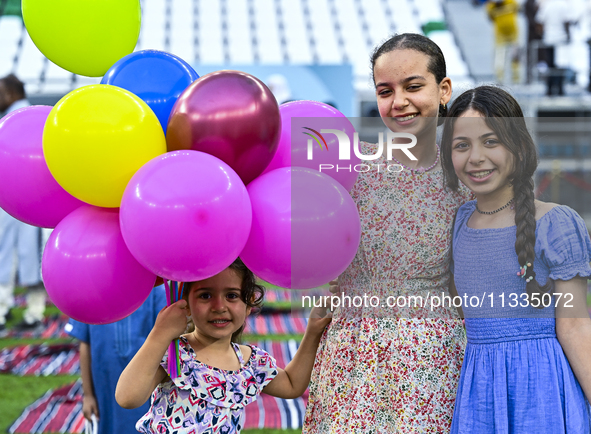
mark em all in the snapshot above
pixel 320 317
pixel 334 287
pixel 171 321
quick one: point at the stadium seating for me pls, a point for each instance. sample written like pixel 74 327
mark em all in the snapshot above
pixel 249 32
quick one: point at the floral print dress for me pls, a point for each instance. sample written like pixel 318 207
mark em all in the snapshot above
pixel 385 368
pixel 205 399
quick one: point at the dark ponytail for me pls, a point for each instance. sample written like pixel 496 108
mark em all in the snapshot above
pixel 503 115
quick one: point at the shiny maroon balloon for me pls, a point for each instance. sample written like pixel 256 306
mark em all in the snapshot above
pixel 230 115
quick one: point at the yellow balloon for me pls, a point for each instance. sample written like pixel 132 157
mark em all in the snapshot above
pixel 83 36
pixel 95 139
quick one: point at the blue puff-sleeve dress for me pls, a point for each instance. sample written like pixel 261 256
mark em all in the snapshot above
pixel 515 377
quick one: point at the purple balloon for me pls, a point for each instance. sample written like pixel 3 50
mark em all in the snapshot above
pixel 305 228
pixel 302 121
pixel 231 115
pixel 88 271
pixel 185 215
pixel 28 191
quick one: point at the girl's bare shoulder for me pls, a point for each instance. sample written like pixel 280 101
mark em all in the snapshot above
pixel 543 207
pixel 246 352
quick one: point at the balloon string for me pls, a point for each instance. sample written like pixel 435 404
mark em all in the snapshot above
pixel 179 296
pixel 173 348
pixel 168 293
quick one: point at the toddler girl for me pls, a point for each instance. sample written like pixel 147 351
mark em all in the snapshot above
pixel 217 377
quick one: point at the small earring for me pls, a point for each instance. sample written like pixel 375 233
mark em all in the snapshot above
pixel 444 106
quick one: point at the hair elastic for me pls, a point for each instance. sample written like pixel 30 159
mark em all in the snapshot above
pixel 523 270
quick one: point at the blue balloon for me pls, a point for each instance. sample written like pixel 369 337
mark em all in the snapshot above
pixel 156 77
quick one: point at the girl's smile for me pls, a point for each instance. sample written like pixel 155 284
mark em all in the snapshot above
pixel 405 119
pixel 480 175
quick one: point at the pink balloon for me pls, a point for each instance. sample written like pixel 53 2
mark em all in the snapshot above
pixel 88 271
pixel 185 215
pixel 231 115
pixel 302 121
pixel 28 191
pixel 305 228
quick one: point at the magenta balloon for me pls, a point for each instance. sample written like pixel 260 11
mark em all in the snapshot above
pixel 298 119
pixel 28 191
pixel 185 215
pixel 88 271
pixel 231 115
pixel 305 228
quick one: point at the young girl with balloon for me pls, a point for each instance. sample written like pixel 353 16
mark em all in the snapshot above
pixel 217 376
pixel 376 370
pixel 526 367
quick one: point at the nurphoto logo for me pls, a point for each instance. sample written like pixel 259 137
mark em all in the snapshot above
pixel 402 141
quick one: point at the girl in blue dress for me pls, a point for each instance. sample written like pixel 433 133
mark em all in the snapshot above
pixel 521 268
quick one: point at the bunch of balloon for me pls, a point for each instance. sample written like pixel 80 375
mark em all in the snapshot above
pixel 187 215
pixel 87 148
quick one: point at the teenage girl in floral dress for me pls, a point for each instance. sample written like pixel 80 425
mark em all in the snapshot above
pixel 378 370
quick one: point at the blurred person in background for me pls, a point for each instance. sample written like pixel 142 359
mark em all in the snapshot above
pixel 503 14
pixel 555 16
pixel 535 31
pixel 20 238
pixel 105 350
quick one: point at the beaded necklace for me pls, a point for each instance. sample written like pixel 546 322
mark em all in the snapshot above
pixel 496 210
pixel 421 169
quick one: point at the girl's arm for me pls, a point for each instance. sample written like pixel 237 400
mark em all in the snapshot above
pixel 141 376
pixel 293 381
pixel 573 328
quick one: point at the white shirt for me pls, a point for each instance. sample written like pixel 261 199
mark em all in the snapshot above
pixel 553 14
pixel 17 105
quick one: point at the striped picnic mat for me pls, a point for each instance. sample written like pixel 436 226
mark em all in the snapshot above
pixel 275 324
pixel 60 410
pixel 40 359
pixel 53 327
pixel 277 295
